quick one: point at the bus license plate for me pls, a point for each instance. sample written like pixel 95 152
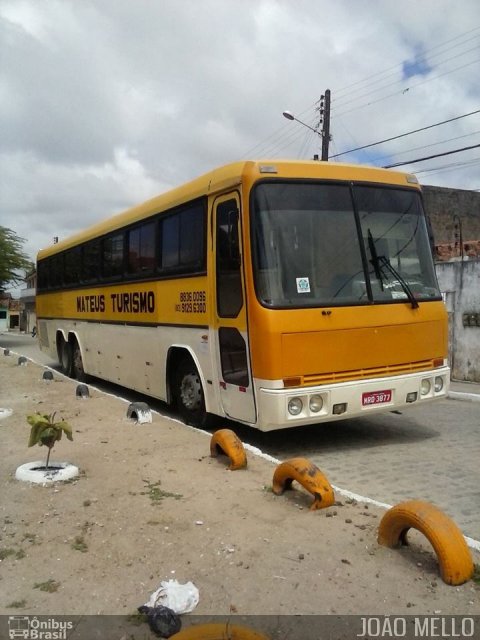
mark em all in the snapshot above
pixel 376 397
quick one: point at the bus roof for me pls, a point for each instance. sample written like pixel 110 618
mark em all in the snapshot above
pixel 227 177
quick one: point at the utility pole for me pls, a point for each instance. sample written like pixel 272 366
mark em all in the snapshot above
pixel 325 122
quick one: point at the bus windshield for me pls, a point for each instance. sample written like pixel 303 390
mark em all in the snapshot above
pixel 317 244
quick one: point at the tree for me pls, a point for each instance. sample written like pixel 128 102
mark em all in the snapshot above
pixel 45 431
pixel 12 258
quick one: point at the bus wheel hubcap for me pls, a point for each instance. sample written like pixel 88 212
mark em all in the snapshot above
pixel 191 392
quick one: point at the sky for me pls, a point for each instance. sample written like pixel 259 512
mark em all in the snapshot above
pixel 106 103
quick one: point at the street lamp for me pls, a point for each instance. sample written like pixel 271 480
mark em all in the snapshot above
pixel 290 116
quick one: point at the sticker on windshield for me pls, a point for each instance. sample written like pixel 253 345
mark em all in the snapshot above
pixel 303 285
pixel 397 295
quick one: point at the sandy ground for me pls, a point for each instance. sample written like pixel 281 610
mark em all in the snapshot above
pixel 151 504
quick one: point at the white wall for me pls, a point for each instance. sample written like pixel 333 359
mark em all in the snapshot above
pixel 460 283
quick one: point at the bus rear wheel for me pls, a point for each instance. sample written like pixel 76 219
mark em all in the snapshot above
pixel 78 371
pixel 66 358
pixel 189 396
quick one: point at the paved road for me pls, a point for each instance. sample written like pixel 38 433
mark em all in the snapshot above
pixel 431 452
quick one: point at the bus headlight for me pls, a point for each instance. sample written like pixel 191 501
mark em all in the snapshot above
pixel 425 387
pixel 316 403
pixel 438 384
pixel 295 406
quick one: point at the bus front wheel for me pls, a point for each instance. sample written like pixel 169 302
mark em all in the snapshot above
pixel 189 395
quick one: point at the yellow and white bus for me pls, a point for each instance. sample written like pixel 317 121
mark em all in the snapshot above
pixel 277 294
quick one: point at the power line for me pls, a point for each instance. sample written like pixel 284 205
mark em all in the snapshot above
pixel 402 135
pixel 273 138
pixel 413 86
pixel 423 146
pixel 390 84
pixel 453 166
pixel 395 67
pixel 287 140
pixel 437 155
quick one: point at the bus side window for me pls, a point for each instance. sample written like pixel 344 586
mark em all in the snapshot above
pixel 233 356
pixel 141 249
pixel 183 240
pixel 56 271
pixel 73 266
pixel 113 256
pixel 91 261
pixel 228 262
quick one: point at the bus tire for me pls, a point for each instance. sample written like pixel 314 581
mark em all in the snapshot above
pixel 66 358
pixel 189 395
pixel 78 371
pixel 309 476
pixel 454 557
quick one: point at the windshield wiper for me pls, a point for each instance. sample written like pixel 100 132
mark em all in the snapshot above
pixel 403 283
pixel 381 261
pixel 375 261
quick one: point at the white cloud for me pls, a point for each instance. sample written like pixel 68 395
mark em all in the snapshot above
pixel 103 104
pixel 43 200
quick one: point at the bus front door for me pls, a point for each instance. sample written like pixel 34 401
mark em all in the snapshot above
pixel 232 353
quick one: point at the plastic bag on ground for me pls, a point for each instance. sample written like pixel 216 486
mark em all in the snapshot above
pixel 181 598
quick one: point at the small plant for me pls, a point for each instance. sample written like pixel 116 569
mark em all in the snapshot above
pixel 79 544
pixel 5 553
pixel 17 604
pixel 50 586
pixel 30 537
pixel 45 431
pixel 156 494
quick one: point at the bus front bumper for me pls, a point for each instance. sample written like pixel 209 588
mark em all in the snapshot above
pixel 292 407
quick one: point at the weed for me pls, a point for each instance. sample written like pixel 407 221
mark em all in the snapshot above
pixel 268 488
pixel 79 544
pixel 156 494
pixel 50 586
pixel 29 536
pixel 4 553
pixel 17 604
pixel 87 503
pixel 153 522
pixel 20 554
